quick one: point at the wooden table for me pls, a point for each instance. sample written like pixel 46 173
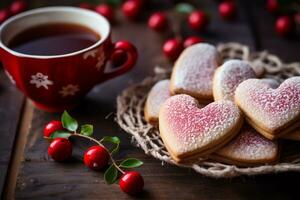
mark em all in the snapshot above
pixel 28 173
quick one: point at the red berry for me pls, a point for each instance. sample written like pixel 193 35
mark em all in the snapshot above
pixel 191 41
pixel 60 149
pixel 198 20
pixel 52 127
pixel 132 8
pixel 172 48
pixel 86 6
pixel 227 10
pixel 272 6
pixel 96 158
pixel 158 21
pixel 118 58
pixel 284 25
pixel 17 6
pixel 131 183
pixel 105 10
pixel 3 15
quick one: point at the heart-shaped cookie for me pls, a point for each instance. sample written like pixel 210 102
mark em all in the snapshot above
pixel 272 112
pixel 188 131
pixel 193 72
pixel 248 148
pixel 157 95
pixel 295 134
pixel 229 76
pixel 271 82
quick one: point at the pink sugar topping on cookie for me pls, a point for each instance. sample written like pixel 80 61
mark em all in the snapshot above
pixel 249 145
pixel 194 69
pixel 194 127
pixel 272 107
pixel 229 76
pixel 157 95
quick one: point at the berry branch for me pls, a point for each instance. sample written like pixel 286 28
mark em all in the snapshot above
pixel 100 144
pixel 96 157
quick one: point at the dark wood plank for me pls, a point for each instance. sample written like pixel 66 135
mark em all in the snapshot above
pixel 11 102
pixel 40 177
pixel 9 120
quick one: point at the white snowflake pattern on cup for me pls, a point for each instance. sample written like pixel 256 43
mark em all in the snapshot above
pixel 41 80
pixel 10 77
pixel 96 53
pixel 100 61
pixel 69 90
pixel 92 53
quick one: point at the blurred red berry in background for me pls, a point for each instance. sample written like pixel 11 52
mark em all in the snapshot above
pixel 3 15
pixel 272 6
pixel 105 10
pixel 191 41
pixel 284 25
pixel 132 8
pixel 158 21
pixel 172 48
pixel 17 7
pixel 198 20
pixel 227 10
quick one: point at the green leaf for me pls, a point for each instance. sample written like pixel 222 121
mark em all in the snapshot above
pixel 114 2
pixel 111 174
pixel 131 163
pixel 60 134
pixel 87 129
pixel 68 122
pixel 113 139
pixel 184 8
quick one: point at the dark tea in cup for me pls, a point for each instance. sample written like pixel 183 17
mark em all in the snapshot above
pixel 54 39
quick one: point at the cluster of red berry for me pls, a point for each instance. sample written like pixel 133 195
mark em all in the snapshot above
pixel 14 8
pixel 159 22
pixel 197 20
pixel 131 9
pixel 96 157
pixel 285 22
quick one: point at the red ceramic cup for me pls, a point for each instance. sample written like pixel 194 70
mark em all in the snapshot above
pixel 59 82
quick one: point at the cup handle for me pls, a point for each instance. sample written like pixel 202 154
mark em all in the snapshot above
pixel 131 59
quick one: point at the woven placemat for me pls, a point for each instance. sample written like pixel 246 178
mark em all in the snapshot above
pixel 130 116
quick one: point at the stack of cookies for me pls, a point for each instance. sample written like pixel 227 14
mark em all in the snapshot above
pixel 223 111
